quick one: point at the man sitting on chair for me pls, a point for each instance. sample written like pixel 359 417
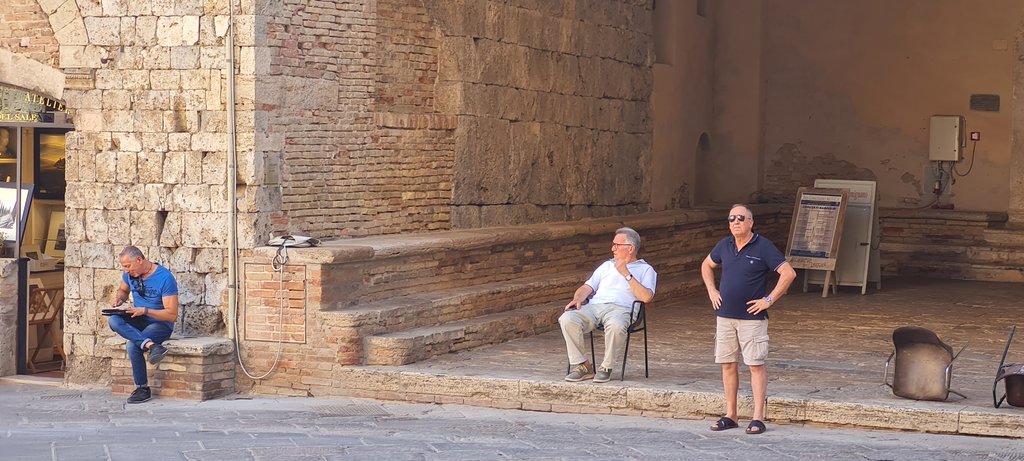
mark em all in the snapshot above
pixel 615 284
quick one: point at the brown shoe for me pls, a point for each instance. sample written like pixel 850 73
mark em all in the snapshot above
pixel 580 372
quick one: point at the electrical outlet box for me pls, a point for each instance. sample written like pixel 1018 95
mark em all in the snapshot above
pixel 946 138
pixel 975 136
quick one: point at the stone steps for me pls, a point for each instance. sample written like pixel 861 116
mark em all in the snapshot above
pixel 974 254
pixel 408 346
pixel 452 305
pixel 995 254
pixel 961 271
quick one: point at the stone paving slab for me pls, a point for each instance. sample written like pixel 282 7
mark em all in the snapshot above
pixel 826 363
pixel 301 428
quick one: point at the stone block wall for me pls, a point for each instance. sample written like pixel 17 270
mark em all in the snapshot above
pixel 147 160
pixel 543 134
pixel 8 316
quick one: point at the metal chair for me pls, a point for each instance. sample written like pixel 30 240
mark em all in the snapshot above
pixel 639 315
pixel 45 306
pixel 923 367
pixel 1012 376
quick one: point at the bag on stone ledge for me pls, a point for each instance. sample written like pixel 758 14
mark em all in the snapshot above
pixel 294 241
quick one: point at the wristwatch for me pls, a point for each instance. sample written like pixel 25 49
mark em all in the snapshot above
pixel 768 298
pixel 629 277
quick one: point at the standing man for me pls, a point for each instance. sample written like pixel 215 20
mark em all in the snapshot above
pixel 150 322
pixel 615 284
pixel 742 310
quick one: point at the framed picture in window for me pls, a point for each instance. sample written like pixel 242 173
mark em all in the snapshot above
pixel 9 212
pixel 8 153
pixel 50 158
pixel 56 239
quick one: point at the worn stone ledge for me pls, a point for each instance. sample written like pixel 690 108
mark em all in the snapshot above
pixel 388 246
pixel 611 398
pixel 200 346
pixel 943 215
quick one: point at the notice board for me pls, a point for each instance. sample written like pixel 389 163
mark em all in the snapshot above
pixel 859 259
pixel 816 228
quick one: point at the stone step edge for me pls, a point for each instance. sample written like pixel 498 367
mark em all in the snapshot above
pixel 951 248
pixel 456 333
pixel 189 346
pixel 397 385
pixel 376 316
pixel 959 267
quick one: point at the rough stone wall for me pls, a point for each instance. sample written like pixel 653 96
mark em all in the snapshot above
pixel 146 162
pixel 349 106
pixel 26 31
pixel 8 316
pixel 552 106
pixel 789 169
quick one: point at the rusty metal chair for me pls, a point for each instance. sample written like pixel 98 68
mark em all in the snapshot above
pixel 45 306
pixel 1012 376
pixel 923 365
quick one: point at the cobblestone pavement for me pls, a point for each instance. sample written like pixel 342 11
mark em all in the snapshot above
pixel 53 423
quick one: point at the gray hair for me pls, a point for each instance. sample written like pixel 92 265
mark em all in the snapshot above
pixel 631 236
pixel 131 251
pixel 744 206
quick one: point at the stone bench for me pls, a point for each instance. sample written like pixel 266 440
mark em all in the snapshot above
pixel 198 368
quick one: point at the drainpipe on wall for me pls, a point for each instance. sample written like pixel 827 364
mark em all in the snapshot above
pixel 232 181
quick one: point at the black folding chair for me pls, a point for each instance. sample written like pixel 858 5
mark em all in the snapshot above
pixel 1012 376
pixel 923 367
pixel 639 315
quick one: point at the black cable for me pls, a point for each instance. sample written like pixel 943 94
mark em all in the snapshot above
pixel 974 151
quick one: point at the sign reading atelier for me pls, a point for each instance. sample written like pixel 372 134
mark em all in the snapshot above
pixel 816 228
pixel 18 105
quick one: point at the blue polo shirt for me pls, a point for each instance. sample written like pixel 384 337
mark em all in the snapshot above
pixel 150 292
pixel 745 274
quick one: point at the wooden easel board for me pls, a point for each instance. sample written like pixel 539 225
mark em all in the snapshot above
pixel 816 230
pixel 859 260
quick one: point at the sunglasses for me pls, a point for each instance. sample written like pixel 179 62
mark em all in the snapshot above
pixel 737 217
pixel 138 286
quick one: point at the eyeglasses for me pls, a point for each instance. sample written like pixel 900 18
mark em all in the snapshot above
pixel 138 286
pixel 737 217
pixel 620 245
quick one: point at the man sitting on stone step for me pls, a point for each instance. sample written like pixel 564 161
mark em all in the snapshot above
pixel 611 290
pixel 150 322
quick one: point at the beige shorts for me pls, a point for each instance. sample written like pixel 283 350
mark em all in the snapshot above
pixel 736 338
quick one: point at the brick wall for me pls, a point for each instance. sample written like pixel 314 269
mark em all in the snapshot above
pixel 362 149
pixel 266 318
pixel 410 115
pixel 26 31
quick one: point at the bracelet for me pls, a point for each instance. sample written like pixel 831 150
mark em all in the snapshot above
pixel 145 311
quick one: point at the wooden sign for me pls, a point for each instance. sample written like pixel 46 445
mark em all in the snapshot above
pixel 816 228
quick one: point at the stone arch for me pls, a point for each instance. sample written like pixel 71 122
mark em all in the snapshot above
pixel 66 21
pixel 22 72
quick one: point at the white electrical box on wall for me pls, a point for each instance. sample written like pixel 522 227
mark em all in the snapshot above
pixel 946 138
